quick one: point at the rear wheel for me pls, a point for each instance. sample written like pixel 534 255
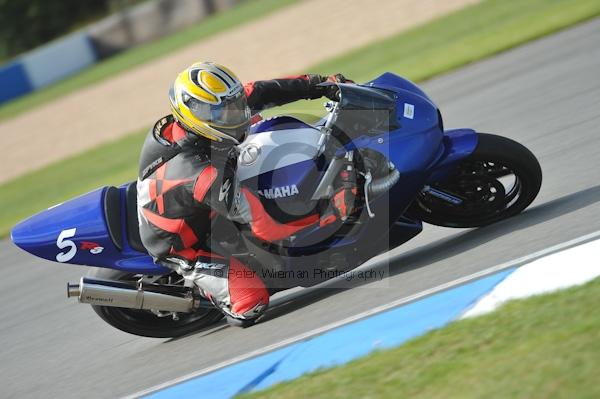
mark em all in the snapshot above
pixel 147 323
pixel 500 179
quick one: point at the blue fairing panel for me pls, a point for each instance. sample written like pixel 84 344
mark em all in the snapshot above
pixel 458 144
pixel 393 82
pixel 58 233
pixel 417 141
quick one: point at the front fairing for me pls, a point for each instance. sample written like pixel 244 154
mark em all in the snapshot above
pixel 365 110
pixel 392 116
pixel 280 163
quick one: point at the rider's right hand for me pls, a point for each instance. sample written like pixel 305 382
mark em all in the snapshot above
pixel 332 92
pixel 338 78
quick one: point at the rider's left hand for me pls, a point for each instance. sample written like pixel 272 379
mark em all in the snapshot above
pixel 346 199
pixel 343 202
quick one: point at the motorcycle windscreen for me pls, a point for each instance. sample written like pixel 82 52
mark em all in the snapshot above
pixel 366 110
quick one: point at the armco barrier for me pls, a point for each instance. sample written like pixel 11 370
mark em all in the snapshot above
pixel 46 65
pixel 59 59
pixel 72 53
pixel 144 23
pixel 13 81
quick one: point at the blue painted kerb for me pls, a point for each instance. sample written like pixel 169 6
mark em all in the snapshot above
pixel 338 346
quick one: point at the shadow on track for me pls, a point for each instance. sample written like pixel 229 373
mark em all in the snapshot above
pixel 441 249
pixel 424 255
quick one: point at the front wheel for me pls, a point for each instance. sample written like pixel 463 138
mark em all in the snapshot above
pixel 498 180
pixel 147 323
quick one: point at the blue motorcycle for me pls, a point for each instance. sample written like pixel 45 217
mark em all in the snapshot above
pixel 410 170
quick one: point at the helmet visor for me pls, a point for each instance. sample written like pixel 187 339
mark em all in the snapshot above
pixel 230 112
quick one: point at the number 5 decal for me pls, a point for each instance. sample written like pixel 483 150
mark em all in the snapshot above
pixel 63 243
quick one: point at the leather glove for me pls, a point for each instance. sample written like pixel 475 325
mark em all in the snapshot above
pixel 338 78
pixel 332 92
pixel 346 201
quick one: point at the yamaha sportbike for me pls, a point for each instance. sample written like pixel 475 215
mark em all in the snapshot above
pixel 409 170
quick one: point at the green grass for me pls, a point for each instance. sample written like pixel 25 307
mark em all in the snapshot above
pixel 460 38
pixel 109 164
pixel 245 12
pixel 463 37
pixel 541 347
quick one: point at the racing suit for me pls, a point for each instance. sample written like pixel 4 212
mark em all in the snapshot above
pixel 186 181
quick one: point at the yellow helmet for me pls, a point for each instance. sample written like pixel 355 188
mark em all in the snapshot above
pixel 209 100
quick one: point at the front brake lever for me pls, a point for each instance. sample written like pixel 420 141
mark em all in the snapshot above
pixel 368 180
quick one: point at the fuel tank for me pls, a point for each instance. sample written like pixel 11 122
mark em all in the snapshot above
pixel 279 161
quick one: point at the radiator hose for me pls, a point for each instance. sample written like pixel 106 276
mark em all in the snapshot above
pixel 384 184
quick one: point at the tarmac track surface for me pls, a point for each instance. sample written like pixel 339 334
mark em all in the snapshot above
pixel 545 94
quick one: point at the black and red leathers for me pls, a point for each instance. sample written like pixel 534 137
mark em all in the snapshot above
pixel 185 181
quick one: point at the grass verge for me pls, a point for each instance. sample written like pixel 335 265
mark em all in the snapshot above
pixel 447 43
pixel 457 39
pixel 109 164
pixel 247 11
pixel 460 38
pixel 541 347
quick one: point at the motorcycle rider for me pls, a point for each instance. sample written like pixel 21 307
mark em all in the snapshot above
pixel 187 178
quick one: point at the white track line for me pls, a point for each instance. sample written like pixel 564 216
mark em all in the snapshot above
pixel 317 331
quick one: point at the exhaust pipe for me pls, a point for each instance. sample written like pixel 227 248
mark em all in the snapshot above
pixel 122 295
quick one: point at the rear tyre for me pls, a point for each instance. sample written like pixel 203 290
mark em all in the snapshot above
pixel 499 180
pixel 146 323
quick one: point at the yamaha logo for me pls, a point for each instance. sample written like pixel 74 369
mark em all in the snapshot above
pixel 279 192
pixel 249 154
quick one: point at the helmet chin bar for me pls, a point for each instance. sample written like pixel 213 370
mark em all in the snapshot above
pixel 205 131
pixel 220 136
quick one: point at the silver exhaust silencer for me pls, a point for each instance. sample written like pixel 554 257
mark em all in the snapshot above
pixel 122 295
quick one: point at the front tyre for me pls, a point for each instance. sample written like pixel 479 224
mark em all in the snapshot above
pixel 498 180
pixel 146 323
